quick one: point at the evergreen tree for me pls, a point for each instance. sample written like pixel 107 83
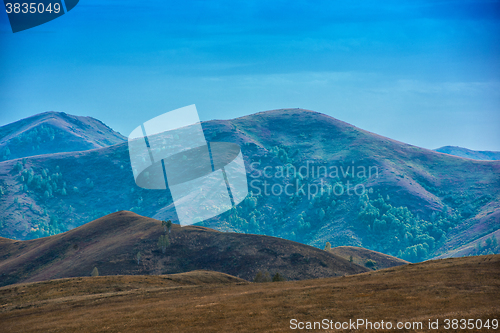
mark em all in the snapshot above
pixel 166 225
pixel 278 278
pixel 328 246
pixel 95 272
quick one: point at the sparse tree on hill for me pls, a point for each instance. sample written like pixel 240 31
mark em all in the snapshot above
pixel 166 225
pixel 18 167
pixel 163 243
pixel 138 256
pixel 328 246
pixel 262 277
pixel 95 272
pixel 278 278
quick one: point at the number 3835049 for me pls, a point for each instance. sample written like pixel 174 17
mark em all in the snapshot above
pixel 32 8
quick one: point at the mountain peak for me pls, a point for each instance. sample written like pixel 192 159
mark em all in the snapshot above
pixel 54 132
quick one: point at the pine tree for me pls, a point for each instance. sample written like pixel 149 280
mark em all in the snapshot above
pixel 166 225
pixel 328 246
pixel 95 272
pixel 278 278
pixel 138 256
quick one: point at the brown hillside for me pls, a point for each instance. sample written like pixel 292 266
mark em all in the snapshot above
pixel 111 244
pixel 361 256
pixel 455 288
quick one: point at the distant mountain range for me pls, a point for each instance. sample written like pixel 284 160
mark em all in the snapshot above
pixel 54 132
pixel 378 193
pixel 472 154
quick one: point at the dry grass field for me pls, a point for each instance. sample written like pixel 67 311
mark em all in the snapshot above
pixel 204 301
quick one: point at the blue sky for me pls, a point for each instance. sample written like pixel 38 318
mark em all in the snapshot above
pixel 422 72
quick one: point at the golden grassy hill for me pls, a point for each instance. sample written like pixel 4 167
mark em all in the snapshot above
pixel 210 302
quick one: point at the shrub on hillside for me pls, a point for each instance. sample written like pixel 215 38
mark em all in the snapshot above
pixel 278 277
pixel 370 264
pixel 262 277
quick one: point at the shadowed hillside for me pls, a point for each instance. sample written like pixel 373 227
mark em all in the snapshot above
pixel 367 258
pixel 112 243
pixel 434 290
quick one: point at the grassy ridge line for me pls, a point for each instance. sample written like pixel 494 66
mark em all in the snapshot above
pixel 361 257
pixel 34 294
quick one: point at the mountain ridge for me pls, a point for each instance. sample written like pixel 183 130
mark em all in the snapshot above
pixel 371 259
pixel 482 155
pixel 54 132
pixel 430 203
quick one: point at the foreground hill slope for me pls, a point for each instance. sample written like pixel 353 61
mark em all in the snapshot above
pixel 85 286
pixel 54 132
pixel 435 290
pixel 362 256
pixel 112 243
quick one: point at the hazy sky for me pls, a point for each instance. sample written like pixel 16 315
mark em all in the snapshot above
pixel 422 72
